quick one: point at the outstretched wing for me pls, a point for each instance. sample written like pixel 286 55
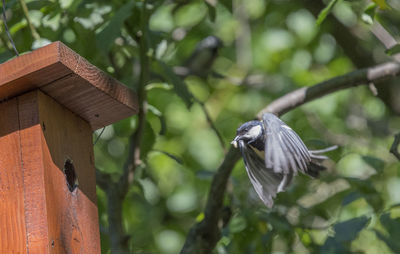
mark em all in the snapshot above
pixel 285 152
pixel 265 182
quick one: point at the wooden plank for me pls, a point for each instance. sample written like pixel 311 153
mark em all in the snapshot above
pixel 50 135
pixel 33 173
pixel 56 69
pixel 30 71
pixel 77 95
pixel 73 219
pixel 12 219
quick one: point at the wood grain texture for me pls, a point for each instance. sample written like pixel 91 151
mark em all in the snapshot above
pixel 33 174
pixel 38 212
pixel 72 216
pixel 12 219
pixel 72 81
pixel 57 220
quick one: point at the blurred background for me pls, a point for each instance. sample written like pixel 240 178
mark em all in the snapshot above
pixel 202 68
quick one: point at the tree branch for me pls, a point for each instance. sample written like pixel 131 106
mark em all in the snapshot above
pixel 116 192
pixel 355 78
pixel 346 37
pixel 136 138
pixel 394 148
pixel 102 180
pixel 203 236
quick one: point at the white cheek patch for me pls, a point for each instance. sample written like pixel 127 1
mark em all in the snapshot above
pixel 254 131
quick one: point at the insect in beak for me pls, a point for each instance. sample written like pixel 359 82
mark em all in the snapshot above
pixel 235 142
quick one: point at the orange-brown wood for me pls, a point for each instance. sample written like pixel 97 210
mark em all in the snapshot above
pixel 31 148
pixel 51 100
pixel 72 81
pixel 38 212
pixel 12 219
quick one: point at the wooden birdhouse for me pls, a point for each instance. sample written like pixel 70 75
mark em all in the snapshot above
pixel 51 100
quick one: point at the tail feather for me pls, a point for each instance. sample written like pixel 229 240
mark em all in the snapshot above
pixel 328 149
pixel 314 169
pixel 316 159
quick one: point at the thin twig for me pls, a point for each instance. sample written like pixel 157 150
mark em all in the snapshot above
pixel 211 122
pixel 384 37
pixel 143 80
pixel 98 137
pixel 6 27
pixel 394 148
pixel 25 10
pixel 373 89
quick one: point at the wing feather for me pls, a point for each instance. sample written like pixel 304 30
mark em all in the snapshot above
pixel 285 152
pixel 295 154
pixel 266 183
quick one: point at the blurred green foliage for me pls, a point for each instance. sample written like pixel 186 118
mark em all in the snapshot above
pixel 269 48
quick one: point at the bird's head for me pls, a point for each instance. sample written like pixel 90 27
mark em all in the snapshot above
pixel 248 132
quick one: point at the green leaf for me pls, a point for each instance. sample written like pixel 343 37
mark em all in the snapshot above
pixel 374 162
pixel 5 56
pixel 179 86
pixel 112 30
pixel 75 4
pixel 267 241
pixel 227 4
pixel 393 244
pixel 351 197
pixel 325 208
pixel 237 224
pixel 324 13
pixel 345 233
pixel 278 222
pixel 368 192
pixel 148 140
pixel 160 116
pixel 123 128
pixel 369 13
pixel 331 247
pixel 382 4
pixel 392 226
pixel 393 50
pixel 211 12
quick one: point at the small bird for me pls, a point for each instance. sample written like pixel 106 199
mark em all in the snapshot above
pixel 201 60
pixel 273 153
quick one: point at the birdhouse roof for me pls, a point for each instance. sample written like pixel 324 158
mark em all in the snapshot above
pixel 72 81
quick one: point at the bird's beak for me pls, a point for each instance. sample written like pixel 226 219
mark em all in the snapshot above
pixel 235 141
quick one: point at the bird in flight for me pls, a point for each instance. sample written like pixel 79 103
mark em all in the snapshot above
pixel 273 153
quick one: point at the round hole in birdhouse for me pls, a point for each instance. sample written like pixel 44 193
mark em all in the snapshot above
pixel 70 175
